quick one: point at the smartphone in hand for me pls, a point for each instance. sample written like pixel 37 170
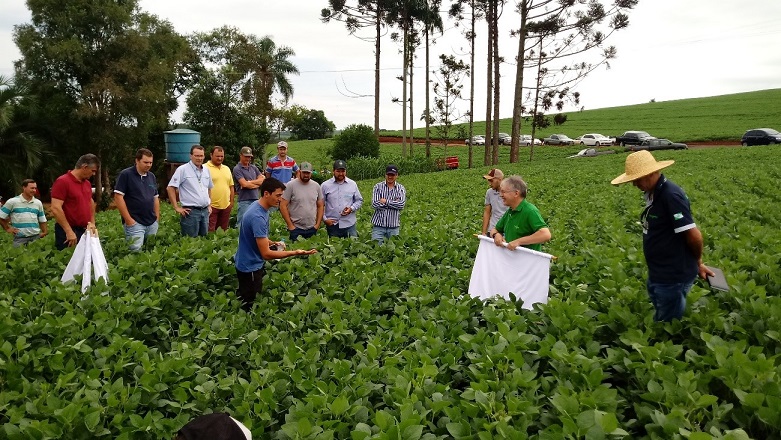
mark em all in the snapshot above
pixel 718 281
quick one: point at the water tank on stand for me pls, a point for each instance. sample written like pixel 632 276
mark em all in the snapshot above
pixel 178 143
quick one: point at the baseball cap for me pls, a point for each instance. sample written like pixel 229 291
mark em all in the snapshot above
pixel 215 426
pixel 340 165
pixel 391 169
pixel 282 144
pixel 306 167
pixel 495 173
pixel 246 151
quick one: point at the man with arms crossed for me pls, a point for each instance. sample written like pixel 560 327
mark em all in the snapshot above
pixel 522 224
pixel 494 206
pixel 672 243
pixel 248 179
pixel 193 183
pixel 137 200
pixel 342 199
pixel 222 192
pixel 72 204
pixel 23 216
pixel 254 245
pixel 302 205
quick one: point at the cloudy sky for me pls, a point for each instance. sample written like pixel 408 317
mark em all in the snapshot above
pixel 672 49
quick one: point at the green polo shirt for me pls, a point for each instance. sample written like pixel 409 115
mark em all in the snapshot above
pixel 524 220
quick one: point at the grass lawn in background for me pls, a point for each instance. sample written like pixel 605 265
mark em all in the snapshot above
pixel 714 118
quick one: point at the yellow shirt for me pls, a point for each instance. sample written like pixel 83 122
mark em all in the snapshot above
pixel 222 178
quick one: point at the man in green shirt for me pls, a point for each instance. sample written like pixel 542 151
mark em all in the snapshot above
pixel 522 224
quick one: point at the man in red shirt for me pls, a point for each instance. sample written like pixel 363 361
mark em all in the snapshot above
pixel 72 204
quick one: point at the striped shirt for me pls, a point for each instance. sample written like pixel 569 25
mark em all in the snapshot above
pixel 25 216
pixel 388 215
pixel 282 170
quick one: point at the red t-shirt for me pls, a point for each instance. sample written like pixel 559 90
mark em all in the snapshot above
pixel 76 199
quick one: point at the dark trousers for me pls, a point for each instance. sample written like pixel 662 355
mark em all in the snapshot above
pixel 304 233
pixel 59 235
pixel 250 284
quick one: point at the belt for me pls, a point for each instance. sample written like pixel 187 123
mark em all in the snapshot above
pixel 194 207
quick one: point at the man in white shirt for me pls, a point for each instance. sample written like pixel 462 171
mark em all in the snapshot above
pixel 193 183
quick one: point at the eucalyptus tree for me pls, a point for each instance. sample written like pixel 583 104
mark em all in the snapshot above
pixel 107 74
pixel 562 31
pixel 358 15
pixel 432 22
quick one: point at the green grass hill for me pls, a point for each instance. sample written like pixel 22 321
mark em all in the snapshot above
pixel 715 118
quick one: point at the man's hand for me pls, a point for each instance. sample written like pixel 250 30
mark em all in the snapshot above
pixel 291 227
pixel 384 201
pixel 209 209
pixel 499 240
pixel 317 226
pixel 11 230
pixel 184 212
pixel 703 271
pixel 330 222
pixel 71 239
pixel 92 229
pixel 305 252
pixel 348 210
pixel 44 234
pixel 512 245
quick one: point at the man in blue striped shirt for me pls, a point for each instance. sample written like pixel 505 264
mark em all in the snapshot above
pixel 23 215
pixel 388 199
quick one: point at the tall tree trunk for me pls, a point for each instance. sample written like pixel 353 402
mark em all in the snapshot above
pixel 472 83
pixel 518 96
pixel 411 101
pixel 489 85
pixel 378 28
pixel 536 100
pixel 405 62
pixel 497 66
pixel 428 86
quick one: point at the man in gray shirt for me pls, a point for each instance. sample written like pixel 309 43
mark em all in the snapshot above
pixel 302 204
pixel 494 206
pixel 248 179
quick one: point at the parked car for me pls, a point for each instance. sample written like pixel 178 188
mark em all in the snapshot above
pixel 476 140
pixel 505 139
pixel 633 138
pixel 526 140
pixel 658 144
pixel 761 136
pixel 590 152
pixel 594 140
pixel 558 139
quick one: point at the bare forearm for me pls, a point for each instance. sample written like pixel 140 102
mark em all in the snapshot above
pixel 695 243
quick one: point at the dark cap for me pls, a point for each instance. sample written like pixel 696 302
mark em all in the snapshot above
pixel 246 151
pixel 340 165
pixel 215 426
pixel 391 169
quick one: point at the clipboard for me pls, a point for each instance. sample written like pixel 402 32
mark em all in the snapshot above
pixel 717 281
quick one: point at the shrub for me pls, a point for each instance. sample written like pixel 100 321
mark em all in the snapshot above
pixel 355 140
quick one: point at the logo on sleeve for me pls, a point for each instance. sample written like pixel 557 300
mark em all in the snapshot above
pixel 678 216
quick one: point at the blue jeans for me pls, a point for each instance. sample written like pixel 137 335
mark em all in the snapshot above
pixel 379 233
pixel 243 206
pixel 138 234
pixel 336 231
pixel 305 233
pixel 669 300
pixel 196 223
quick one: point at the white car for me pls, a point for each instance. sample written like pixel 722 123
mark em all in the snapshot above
pixel 526 140
pixel 595 140
pixel 476 140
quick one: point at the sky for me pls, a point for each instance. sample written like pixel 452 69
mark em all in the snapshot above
pixel 672 49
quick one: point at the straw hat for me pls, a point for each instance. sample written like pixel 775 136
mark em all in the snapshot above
pixel 640 164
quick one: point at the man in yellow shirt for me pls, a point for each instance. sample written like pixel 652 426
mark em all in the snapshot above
pixel 223 191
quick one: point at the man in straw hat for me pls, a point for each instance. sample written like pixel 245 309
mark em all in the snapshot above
pixel 672 244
